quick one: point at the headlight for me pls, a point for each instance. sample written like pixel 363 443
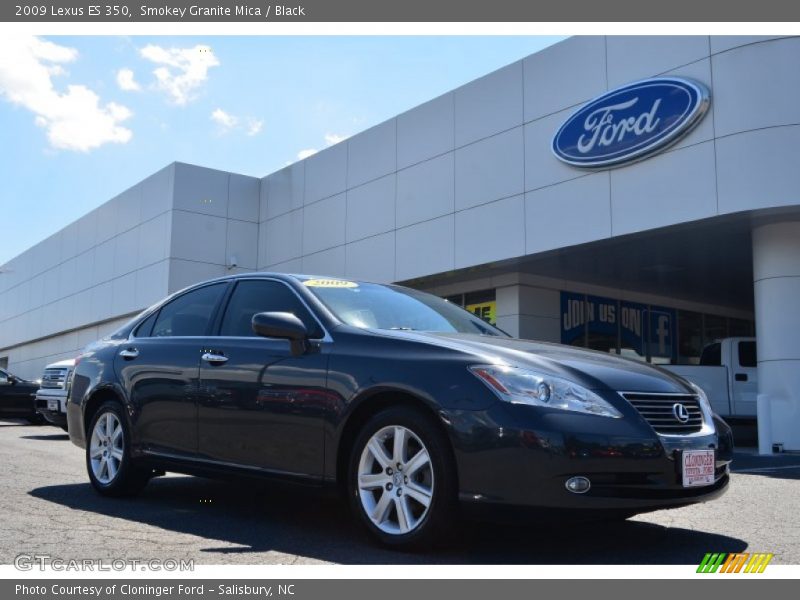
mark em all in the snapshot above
pixel 522 386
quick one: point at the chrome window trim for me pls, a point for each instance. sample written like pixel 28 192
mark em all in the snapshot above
pixel 326 338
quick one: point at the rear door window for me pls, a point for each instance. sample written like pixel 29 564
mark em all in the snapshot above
pixel 190 313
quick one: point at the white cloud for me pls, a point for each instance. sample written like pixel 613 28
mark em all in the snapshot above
pixel 126 81
pixel 180 71
pixel 334 138
pixel 254 126
pixel 73 120
pixel 306 153
pixel 330 140
pixel 224 120
pixel 228 122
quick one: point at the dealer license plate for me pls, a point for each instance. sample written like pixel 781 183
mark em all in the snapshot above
pixel 52 404
pixel 697 467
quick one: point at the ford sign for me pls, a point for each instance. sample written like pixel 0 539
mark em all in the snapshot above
pixel 631 122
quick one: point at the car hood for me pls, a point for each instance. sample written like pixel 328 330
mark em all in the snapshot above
pixel 592 369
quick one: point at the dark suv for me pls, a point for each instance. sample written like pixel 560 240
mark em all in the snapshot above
pixel 414 406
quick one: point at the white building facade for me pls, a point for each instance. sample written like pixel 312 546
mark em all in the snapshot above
pixel 463 196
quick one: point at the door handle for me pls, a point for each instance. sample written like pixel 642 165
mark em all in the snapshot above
pixel 740 377
pixel 212 358
pixel 129 353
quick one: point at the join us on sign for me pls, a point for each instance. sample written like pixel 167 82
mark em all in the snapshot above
pixel 631 122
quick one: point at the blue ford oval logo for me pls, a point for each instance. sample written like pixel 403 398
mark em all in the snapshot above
pixel 631 122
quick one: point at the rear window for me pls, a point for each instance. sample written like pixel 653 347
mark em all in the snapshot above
pixel 747 354
pixel 712 355
pixel 189 314
pixel 146 327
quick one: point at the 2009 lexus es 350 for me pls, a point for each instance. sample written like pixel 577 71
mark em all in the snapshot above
pixel 414 406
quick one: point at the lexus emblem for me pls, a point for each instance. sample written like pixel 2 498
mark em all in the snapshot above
pixel 680 413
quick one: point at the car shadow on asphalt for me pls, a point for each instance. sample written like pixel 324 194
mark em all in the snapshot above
pixel 777 466
pixel 51 437
pixel 237 518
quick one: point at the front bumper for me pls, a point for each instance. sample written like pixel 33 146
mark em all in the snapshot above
pixel 54 417
pixel 515 455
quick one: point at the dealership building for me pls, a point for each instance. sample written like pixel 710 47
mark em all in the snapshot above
pixel 539 196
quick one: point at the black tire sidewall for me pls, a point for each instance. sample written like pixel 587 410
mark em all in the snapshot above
pixel 128 476
pixel 441 513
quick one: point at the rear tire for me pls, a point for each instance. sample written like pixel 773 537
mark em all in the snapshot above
pixel 108 460
pixel 402 481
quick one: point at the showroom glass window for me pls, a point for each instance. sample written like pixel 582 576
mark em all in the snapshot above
pixel 190 313
pixel 482 304
pixel 715 328
pixel 740 328
pixel 656 334
pixel 690 337
pixel 255 296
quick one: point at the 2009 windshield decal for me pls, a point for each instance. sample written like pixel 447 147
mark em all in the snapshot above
pixel 631 122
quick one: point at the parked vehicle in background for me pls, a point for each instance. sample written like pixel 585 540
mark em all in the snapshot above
pixel 409 403
pixel 16 398
pixel 51 398
pixel 728 374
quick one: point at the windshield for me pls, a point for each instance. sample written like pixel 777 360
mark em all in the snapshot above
pixel 373 306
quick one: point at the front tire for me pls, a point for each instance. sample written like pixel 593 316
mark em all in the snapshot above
pixel 108 460
pixel 402 479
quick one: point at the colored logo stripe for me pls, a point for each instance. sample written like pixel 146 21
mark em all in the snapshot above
pixel 737 562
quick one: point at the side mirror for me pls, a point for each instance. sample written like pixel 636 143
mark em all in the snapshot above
pixel 13 379
pixel 282 325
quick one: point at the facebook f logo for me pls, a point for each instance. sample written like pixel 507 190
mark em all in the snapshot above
pixel 661 323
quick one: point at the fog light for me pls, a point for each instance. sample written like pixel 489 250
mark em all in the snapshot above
pixel 578 485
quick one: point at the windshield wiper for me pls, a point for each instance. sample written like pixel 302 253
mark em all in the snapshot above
pixel 402 328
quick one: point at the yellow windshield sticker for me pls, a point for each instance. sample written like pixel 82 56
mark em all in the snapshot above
pixel 330 283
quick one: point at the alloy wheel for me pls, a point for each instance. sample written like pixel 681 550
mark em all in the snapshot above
pixel 395 480
pixel 106 448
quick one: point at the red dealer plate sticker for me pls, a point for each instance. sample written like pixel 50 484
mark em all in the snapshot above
pixel 697 467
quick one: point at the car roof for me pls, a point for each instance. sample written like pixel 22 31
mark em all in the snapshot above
pixel 300 277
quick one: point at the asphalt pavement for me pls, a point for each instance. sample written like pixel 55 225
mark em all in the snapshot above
pixel 47 506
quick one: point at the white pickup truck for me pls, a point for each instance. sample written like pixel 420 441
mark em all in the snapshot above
pixel 729 376
pixel 51 398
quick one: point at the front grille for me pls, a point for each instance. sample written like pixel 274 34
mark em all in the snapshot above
pixel 659 411
pixel 54 378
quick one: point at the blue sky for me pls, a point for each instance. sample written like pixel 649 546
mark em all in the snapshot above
pixel 243 104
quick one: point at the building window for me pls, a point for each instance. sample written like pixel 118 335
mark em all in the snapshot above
pixel 715 328
pixel 602 324
pixel 646 332
pixel 740 328
pixel 690 337
pixel 482 304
